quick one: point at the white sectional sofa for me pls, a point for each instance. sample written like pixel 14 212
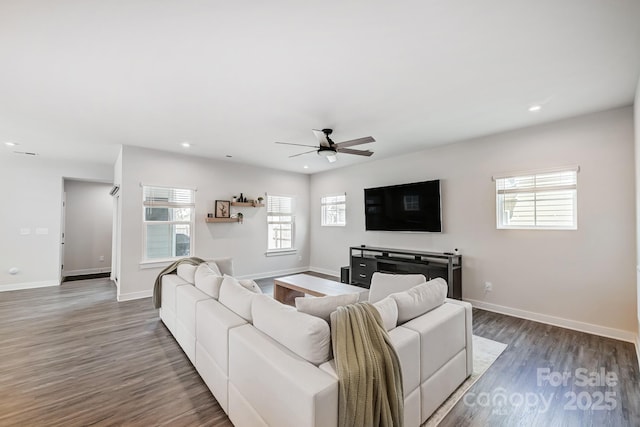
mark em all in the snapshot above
pixel 268 365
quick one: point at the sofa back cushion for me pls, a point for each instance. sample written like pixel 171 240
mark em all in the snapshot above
pixel 236 297
pixel 187 272
pixel 383 285
pixel 307 336
pixel 225 265
pixel 420 299
pixel 322 307
pixel 208 280
pixel 388 310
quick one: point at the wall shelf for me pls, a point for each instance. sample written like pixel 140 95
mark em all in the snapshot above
pixel 248 204
pixel 207 219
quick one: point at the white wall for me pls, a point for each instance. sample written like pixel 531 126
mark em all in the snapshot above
pixel 584 276
pixel 214 180
pixel 88 223
pixel 33 201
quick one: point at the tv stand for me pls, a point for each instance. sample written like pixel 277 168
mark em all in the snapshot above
pixel 366 260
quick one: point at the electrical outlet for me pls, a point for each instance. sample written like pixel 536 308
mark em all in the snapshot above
pixel 488 287
pixel 299 257
pixel 101 259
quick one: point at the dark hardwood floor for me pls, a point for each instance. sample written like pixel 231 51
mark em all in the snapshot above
pixel 73 356
pixel 515 375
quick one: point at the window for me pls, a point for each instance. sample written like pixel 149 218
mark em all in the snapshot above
pixel 546 200
pixel 168 222
pixel 280 223
pixel 334 210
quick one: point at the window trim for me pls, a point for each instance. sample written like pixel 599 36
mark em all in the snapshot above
pixel 282 251
pixel 534 190
pixel 322 205
pixel 146 262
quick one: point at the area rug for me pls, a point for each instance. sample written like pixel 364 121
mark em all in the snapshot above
pixel 485 352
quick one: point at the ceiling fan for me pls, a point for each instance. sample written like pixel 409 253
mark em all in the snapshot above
pixel 329 149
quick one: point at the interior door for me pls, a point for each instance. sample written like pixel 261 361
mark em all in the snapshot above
pixel 62 229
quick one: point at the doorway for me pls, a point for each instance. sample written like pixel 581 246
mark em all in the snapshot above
pixel 87 215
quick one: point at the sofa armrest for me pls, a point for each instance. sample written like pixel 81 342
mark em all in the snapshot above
pixel 281 387
pixel 468 312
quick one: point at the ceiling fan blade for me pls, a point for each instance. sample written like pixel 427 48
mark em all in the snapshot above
pixel 299 145
pixel 306 152
pixel 356 152
pixel 322 138
pixel 358 141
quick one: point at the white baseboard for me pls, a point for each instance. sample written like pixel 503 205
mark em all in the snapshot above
pixel 277 273
pixel 325 271
pixel 135 295
pixel 589 328
pixel 84 271
pixel 28 285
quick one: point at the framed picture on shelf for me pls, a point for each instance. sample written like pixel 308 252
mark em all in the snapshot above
pixel 223 209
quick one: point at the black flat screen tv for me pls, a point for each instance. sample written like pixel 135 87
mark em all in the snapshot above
pixel 407 207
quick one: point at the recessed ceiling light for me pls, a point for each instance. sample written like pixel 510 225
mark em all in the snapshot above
pixel 535 108
pixel 185 145
pixel 10 144
pixel 306 166
pixel 228 156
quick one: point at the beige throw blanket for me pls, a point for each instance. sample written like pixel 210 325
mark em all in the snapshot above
pixel 370 380
pixel 157 286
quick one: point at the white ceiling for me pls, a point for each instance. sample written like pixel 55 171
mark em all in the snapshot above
pixel 78 78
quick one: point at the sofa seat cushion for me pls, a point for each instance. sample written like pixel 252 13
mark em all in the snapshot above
pixel 214 321
pixel 442 336
pixel 383 284
pixel 307 336
pixel 322 307
pixel 236 297
pixel 420 299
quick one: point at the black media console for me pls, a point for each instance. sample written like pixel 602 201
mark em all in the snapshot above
pixel 366 260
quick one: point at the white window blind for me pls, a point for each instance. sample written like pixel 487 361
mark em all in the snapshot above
pixel 168 218
pixel 334 210
pixel 546 200
pixel 280 218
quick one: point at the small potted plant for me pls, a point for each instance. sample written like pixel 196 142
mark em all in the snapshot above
pixel 240 217
pixel 260 200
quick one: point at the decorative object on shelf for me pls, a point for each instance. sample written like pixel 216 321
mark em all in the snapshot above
pixel 241 199
pixel 223 209
pixel 260 200
pixel 234 199
pixel 209 215
pixel 240 217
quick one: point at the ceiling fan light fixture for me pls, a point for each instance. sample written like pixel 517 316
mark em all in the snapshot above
pixel 326 151
pixel 332 158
